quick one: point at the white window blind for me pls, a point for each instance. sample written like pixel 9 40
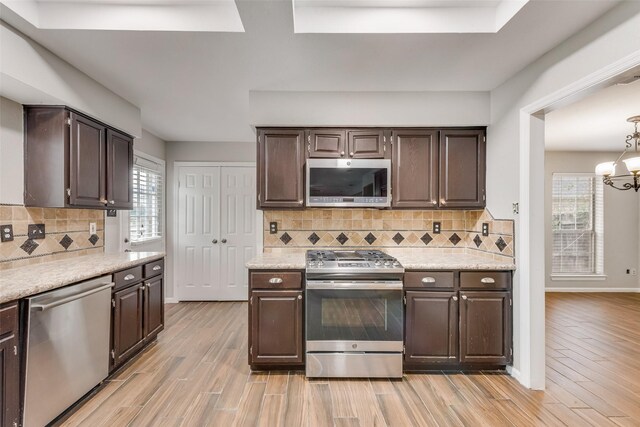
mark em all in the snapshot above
pixel 577 215
pixel 146 218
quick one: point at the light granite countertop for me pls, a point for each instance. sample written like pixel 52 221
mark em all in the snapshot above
pixel 21 282
pixel 411 259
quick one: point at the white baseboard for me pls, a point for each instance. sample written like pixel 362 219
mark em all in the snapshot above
pixel 171 300
pixel 632 290
pixel 514 373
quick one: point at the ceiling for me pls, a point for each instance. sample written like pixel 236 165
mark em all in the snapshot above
pixel 194 86
pixel 595 123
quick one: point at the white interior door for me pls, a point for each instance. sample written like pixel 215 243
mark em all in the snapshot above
pixel 198 273
pixel 237 229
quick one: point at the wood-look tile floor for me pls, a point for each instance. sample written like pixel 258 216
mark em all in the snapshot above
pixel 197 375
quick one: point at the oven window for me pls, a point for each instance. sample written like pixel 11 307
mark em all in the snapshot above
pixel 336 315
pixel 348 182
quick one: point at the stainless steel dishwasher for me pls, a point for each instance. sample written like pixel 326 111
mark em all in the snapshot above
pixel 67 347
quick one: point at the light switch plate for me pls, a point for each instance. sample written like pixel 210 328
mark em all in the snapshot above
pixel 273 227
pixel 92 228
pixel 436 228
pixel 485 228
pixel 36 231
pixel 6 233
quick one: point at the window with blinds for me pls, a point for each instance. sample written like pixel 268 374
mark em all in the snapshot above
pixel 577 224
pixel 146 218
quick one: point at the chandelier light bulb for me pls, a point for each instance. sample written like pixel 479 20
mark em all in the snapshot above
pixel 633 164
pixel 606 169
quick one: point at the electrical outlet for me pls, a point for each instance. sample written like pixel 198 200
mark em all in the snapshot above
pixel 6 233
pixel 632 271
pixel 515 207
pixel 92 228
pixel 485 228
pixel 112 213
pixel 36 231
pixel 273 227
pixel 436 228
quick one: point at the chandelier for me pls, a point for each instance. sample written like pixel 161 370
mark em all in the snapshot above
pixel 629 177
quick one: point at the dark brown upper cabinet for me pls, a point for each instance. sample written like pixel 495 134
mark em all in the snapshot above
pixel 366 144
pixel 414 162
pixel 72 160
pixel 326 143
pixel 280 168
pixel 119 174
pixel 462 168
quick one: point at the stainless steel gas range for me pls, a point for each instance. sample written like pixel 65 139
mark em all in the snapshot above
pixel 354 314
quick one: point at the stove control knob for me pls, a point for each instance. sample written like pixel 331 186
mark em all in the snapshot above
pixel 387 263
pixel 312 263
pixel 320 263
pixel 377 263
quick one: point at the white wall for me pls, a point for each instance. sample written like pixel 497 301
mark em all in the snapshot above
pixel 196 152
pixel 11 153
pixel 275 108
pixel 621 222
pixel 607 44
pixel 30 74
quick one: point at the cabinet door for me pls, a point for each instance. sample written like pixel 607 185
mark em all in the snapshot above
pixel 462 169
pixel 119 170
pixel 485 327
pixel 280 168
pixel 87 175
pixel 431 328
pixel 276 328
pixel 9 366
pixel 153 306
pixel 414 177
pixel 128 319
pixel 326 143
pixel 366 144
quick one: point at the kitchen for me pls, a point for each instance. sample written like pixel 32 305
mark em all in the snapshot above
pixel 444 217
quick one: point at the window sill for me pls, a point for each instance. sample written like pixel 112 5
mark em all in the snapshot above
pixel 147 241
pixel 578 277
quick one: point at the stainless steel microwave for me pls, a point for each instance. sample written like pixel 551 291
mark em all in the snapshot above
pixel 348 183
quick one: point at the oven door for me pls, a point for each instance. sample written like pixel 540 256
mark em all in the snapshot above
pixel 354 316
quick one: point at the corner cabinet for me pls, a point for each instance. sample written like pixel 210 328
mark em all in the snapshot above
pixel 276 336
pixel 72 160
pixel 9 366
pixel 280 168
pixel 457 320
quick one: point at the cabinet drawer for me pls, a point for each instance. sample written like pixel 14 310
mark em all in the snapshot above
pixel 485 280
pixel 429 279
pixel 8 320
pixel 154 268
pixel 127 277
pixel 276 280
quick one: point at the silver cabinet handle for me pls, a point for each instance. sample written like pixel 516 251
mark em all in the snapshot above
pixel 342 154
pixel 428 280
pixel 455 298
pixel 299 296
pixel 143 287
pixel 112 202
pixel 488 280
pixel 156 268
pixel 129 277
pixel 351 154
pixel 224 240
pixel 275 280
pixel 464 297
pixel 214 241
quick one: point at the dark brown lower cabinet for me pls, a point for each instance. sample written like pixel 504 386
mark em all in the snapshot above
pixel 431 328
pixel 485 327
pixel 9 366
pixel 128 322
pixel 153 306
pixel 276 328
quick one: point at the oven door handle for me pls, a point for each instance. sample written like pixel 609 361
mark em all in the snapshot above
pixel 356 286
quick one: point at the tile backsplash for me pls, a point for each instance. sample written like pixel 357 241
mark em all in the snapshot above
pixel 331 228
pixel 67 234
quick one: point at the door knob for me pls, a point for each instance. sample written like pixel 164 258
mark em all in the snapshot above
pixel 214 241
pixel 224 240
